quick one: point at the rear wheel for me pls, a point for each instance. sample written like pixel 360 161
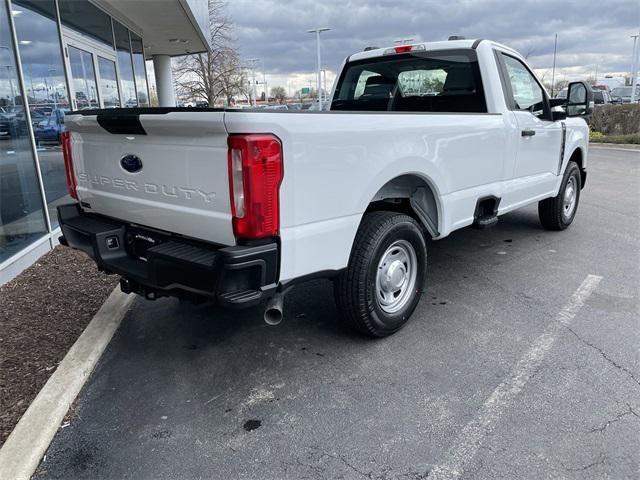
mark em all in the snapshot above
pixel 383 282
pixel 557 213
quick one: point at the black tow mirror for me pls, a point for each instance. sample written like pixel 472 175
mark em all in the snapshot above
pixel 579 100
pixel 558 108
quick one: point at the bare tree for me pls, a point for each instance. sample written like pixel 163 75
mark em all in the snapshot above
pixel 530 51
pixel 215 74
pixel 279 93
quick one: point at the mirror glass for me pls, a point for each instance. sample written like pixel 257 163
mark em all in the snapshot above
pixel 577 99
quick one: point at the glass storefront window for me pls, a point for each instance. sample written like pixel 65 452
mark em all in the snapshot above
pixel 84 78
pixel 21 213
pixel 108 83
pixel 138 68
pixel 46 92
pixel 87 19
pixel 127 81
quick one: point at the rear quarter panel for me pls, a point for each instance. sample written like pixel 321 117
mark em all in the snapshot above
pixel 334 163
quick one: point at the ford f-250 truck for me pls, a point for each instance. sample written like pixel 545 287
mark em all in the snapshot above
pixel 237 206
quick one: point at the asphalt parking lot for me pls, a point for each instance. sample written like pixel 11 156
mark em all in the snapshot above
pixel 507 370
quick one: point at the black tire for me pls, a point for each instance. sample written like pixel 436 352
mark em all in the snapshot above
pixel 552 212
pixel 355 288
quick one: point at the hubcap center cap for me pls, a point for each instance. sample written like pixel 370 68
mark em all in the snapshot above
pixel 394 276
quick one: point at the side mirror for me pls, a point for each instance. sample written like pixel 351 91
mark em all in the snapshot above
pixel 579 100
pixel 558 108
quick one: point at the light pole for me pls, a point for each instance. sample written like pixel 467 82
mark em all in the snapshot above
pixel 634 68
pixel 553 72
pixel 264 82
pixel 252 66
pixel 8 67
pixel 324 84
pixel 51 71
pixel 317 32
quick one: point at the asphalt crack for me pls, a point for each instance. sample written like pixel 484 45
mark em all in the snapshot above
pixel 600 461
pixel 352 467
pixel 615 419
pixel 622 368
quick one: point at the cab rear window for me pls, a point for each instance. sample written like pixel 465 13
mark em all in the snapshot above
pixel 444 81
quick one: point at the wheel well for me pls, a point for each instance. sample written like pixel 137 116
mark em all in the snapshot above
pixel 411 195
pixel 576 156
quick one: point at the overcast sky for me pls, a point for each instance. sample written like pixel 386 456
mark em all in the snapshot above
pixel 590 32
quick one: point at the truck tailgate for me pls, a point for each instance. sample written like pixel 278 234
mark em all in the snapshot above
pixel 164 170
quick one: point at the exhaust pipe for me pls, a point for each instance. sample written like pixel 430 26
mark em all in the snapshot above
pixel 273 311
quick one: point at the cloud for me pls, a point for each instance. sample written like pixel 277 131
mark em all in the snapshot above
pixel 591 34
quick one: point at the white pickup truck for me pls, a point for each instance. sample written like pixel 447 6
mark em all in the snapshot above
pixel 237 206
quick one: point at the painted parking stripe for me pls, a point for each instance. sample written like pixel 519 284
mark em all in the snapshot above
pixel 472 435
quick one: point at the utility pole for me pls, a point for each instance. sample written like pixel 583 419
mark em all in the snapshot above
pixel 553 72
pixel 317 32
pixel 634 68
pixel 264 81
pixel 324 84
pixel 252 65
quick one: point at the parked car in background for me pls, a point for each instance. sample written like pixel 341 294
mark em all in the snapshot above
pixel 316 106
pixel 601 97
pixel 43 110
pixel 276 107
pixel 623 94
pixel 5 126
pixel 562 94
pixel 49 130
pixel 612 82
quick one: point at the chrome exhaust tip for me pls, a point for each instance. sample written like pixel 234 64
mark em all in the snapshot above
pixel 273 312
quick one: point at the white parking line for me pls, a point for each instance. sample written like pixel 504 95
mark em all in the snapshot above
pixel 472 435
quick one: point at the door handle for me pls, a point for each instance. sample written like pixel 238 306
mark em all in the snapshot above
pixel 528 133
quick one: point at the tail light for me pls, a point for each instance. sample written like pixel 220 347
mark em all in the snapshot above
pixel 255 174
pixel 68 164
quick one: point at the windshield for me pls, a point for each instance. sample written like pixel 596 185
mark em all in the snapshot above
pixel 443 81
pixel 621 92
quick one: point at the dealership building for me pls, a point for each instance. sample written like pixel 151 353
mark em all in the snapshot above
pixel 63 55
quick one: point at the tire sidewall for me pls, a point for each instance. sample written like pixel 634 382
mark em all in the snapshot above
pixel 382 321
pixel 572 171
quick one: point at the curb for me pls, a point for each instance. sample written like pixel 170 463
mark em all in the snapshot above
pixel 28 442
pixel 627 147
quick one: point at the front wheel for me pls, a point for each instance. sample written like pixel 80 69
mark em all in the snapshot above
pixel 383 282
pixel 557 213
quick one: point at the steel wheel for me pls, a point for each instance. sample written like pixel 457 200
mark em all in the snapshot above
pixel 396 276
pixel 569 198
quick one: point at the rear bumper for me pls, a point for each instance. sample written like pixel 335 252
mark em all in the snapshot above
pixel 156 264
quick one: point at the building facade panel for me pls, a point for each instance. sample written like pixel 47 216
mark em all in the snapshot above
pixel 57 56
pixel 22 219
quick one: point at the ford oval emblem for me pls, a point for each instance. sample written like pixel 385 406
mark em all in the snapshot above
pixel 131 163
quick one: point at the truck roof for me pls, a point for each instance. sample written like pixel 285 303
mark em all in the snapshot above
pixel 441 45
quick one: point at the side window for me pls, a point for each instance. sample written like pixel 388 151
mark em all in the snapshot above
pixel 527 94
